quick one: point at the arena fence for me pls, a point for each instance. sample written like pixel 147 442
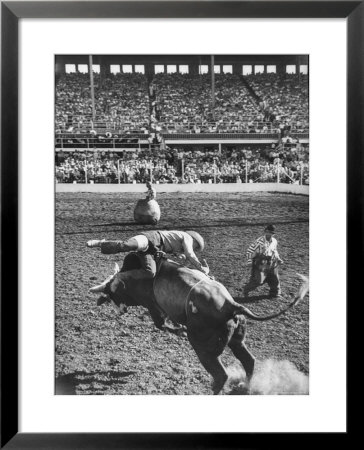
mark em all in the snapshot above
pixel 166 126
pixel 235 135
pixel 214 176
pixel 191 188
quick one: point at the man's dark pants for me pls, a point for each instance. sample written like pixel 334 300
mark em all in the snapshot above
pixel 272 279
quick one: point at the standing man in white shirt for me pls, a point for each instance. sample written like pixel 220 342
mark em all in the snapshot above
pixel 265 245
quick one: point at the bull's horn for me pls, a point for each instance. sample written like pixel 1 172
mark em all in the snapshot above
pixel 99 288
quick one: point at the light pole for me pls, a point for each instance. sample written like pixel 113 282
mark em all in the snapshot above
pixel 213 85
pixel 86 169
pixel 92 89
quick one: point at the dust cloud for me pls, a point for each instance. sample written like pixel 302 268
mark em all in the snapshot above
pixel 271 377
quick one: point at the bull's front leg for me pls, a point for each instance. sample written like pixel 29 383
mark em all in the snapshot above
pixel 162 322
pixel 157 317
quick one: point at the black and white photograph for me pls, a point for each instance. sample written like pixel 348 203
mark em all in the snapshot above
pixel 182 224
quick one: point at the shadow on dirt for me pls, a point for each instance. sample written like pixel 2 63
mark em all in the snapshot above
pixel 117 224
pixel 214 223
pixel 68 384
pixel 190 226
pixel 133 230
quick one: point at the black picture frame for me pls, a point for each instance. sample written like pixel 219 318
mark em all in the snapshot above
pixel 11 12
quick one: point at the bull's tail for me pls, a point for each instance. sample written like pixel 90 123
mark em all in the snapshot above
pixel 302 291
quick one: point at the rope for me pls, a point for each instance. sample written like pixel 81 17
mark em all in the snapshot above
pixel 161 256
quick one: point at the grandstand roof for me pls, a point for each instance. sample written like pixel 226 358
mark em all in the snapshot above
pixel 183 59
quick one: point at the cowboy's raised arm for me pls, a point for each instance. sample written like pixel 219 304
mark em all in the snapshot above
pixel 187 245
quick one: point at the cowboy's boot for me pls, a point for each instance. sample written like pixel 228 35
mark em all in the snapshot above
pixel 95 243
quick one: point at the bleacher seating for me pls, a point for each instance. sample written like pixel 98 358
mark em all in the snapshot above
pixel 133 113
pixel 260 104
pixel 283 98
pixel 121 103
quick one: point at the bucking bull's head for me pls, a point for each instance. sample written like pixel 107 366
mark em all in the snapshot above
pixel 263 266
pixel 120 293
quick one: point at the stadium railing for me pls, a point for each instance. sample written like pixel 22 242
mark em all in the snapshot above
pixel 138 140
pixel 167 127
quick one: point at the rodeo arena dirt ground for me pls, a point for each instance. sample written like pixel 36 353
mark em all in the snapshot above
pixel 101 353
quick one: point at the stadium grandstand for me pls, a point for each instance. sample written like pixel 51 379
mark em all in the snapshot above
pixel 182 119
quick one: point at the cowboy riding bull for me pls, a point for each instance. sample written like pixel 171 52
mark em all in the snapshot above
pixel 213 319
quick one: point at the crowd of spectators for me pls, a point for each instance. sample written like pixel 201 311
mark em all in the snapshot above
pixel 182 103
pixel 127 105
pixel 249 164
pixel 110 167
pixel 121 102
pixel 282 98
pixel 245 164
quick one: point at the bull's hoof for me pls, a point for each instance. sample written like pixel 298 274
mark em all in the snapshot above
pixel 168 323
pixel 241 389
pixel 218 386
pixel 179 330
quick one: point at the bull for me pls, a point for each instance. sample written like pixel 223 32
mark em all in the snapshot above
pixel 213 319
